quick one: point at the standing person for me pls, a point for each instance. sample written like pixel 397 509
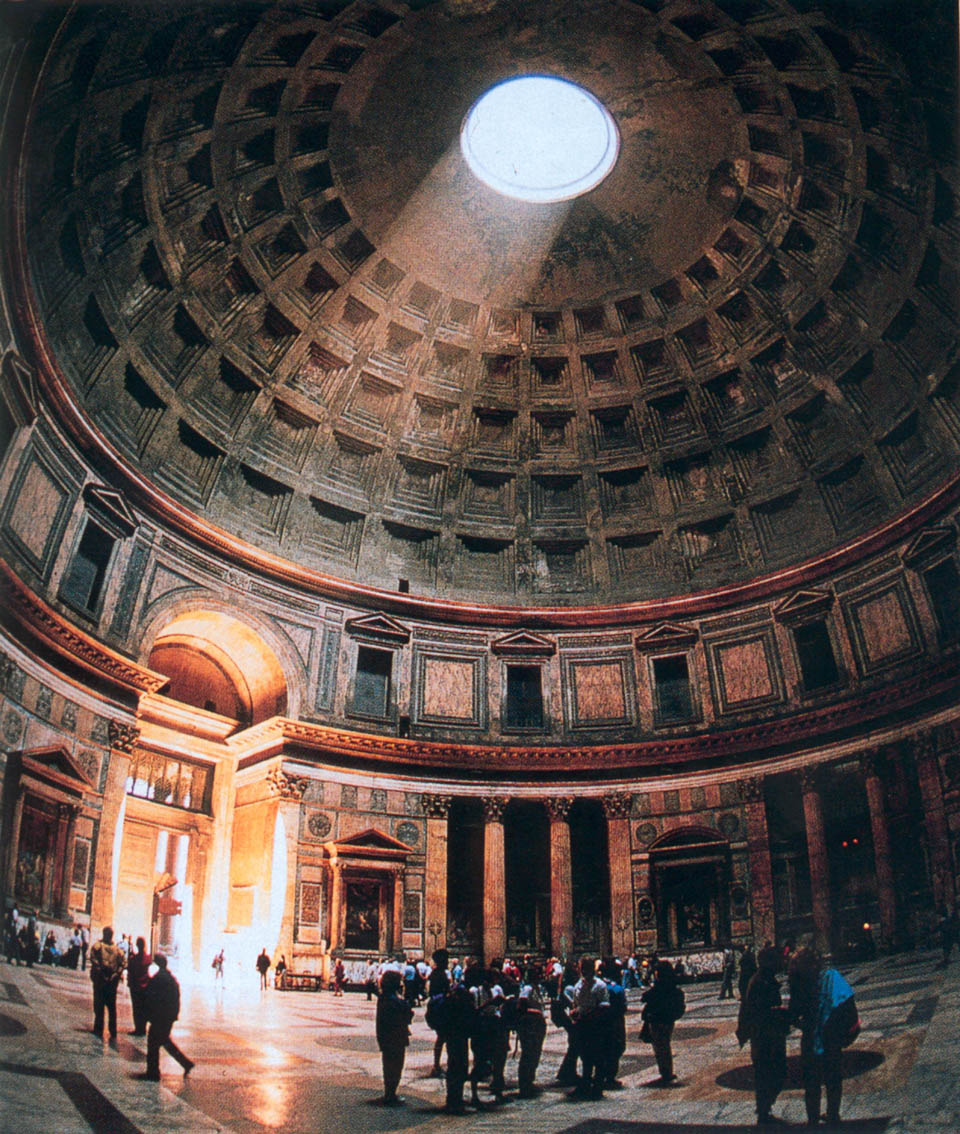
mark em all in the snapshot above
pixel 13 936
pixel 138 977
pixel 729 969
pixel 106 969
pixel 84 946
pixel 163 1008
pixel 370 978
pixel 438 985
pixel 459 1021
pixel 616 1025
pixel 748 966
pixel 663 1005
pixel 764 1022
pixel 338 975
pixel 531 1027
pixel 394 1014
pixel 263 966
pixel 560 1015
pixel 821 1002
pixel 490 1038
pixel 218 968
pixel 590 1007
pixel 73 953
pixel 279 971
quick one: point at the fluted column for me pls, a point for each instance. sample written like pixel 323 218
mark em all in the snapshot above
pixel 758 854
pixel 494 878
pixel 437 810
pixel 336 903
pixel 398 887
pixel 13 848
pixel 561 876
pixel 290 790
pixel 871 763
pixel 935 820
pixel 617 810
pixel 817 857
pixel 69 813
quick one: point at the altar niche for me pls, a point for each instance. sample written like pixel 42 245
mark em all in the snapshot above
pixel 690 872
pixel 365 875
pixel 527 860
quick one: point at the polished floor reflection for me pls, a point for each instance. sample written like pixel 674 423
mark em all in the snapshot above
pixel 292 1061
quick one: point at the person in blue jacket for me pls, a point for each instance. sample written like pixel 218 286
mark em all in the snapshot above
pixel 822 1005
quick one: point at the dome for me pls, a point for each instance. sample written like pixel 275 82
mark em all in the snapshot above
pixel 275 290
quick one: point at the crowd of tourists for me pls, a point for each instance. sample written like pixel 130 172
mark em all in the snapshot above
pixel 22 944
pixel 474 1009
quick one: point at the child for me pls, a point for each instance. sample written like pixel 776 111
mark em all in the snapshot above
pixel 393 1034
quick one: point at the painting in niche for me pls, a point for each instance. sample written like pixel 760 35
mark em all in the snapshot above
pixel 362 930
pixel 35 841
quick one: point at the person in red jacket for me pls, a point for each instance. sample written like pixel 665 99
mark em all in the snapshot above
pixel 138 977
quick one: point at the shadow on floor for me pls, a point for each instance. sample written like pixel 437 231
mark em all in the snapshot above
pixel 854 1063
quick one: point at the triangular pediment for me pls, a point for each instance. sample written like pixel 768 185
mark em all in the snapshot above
pixel 19 387
pixel 803 604
pixel 928 543
pixel 57 761
pixel 112 507
pixel 523 643
pixel 666 635
pixel 379 627
pixel 371 841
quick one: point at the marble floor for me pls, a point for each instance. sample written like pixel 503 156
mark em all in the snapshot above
pixel 288 1061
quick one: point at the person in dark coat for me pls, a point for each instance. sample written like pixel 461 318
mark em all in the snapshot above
pixel 162 1002
pixel 138 977
pixel 816 996
pixel 263 967
pixel 748 966
pixel 459 1023
pixel 616 1024
pixel 393 1034
pixel 560 1015
pixel 438 985
pixel 729 968
pixel 764 1022
pixel 663 1005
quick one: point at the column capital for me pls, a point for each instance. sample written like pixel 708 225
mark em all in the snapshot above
pixel 287 787
pixel 872 761
pixel 436 806
pixel 493 807
pixel 123 736
pixel 810 778
pixel 558 806
pixel 617 806
pixel 68 810
pixel 926 746
pixel 752 789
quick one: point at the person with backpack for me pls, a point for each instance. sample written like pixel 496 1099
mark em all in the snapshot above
pixel 663 1005
pixel 764 1022
pixel 616 1024
pixel 822 1004
pixel 560 1017
pixel 531 1028
pixel 457 1019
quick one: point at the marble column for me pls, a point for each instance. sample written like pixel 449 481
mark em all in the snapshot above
pixel 123 739
pixel 437 810
pixel 617 810
pixel 817 858
pixel 69 813
pixel 13 847
pixel 871 763
pixel 290 790
pixel 758 856
pixel 494 879
pixel 935 821
pixel 561 876
pixel 336 903
pixel 398 881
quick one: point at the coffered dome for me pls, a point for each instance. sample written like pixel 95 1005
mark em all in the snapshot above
pixel 277 292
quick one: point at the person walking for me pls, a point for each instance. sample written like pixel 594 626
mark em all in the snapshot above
pixel 263 967
pixel 764 1022
pixel 138 977
pixel 163 1009
pixel 84 947
pixel 748 966
pixel 663 1005
pixel 394 1014
pixel 217 967
pixel 822 1003
pixel 106 969
pixel 438 985
pixel 338 976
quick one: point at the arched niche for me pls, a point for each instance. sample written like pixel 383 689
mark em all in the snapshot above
pixel 218 663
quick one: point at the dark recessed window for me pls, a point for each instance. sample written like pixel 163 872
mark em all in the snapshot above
pixel 524 707
pixel 674 698
pixel 818 666
pixel 83 585
pixel 371 690
pixel 943 586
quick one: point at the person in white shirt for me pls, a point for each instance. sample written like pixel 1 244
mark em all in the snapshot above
pixel 589 1011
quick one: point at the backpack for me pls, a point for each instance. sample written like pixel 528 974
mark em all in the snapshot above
pixel 433 1016
pixel 843 1024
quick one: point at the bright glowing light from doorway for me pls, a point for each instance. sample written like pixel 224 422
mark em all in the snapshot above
pixel 539 138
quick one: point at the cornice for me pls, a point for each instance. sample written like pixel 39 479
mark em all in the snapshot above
pixel 23 613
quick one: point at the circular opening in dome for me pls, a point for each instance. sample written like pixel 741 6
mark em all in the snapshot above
pixel 539 138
